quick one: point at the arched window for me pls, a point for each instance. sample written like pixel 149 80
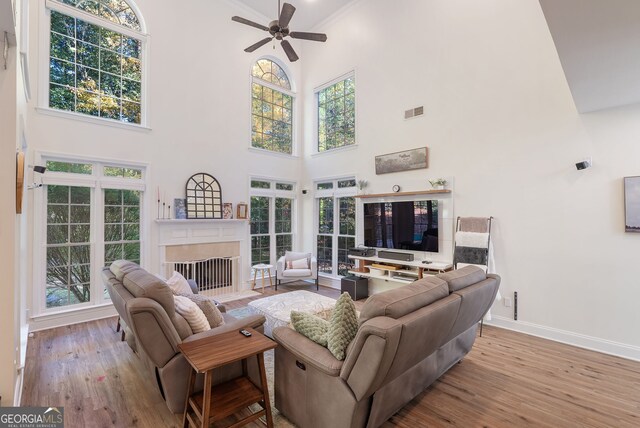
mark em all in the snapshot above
pixel 272 108
pixel 96 59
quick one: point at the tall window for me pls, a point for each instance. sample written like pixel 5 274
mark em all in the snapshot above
pixel 271 108
pixel 96 60
pixel 89 224
pixel 272 228
pixel 336 225
pixel 337 115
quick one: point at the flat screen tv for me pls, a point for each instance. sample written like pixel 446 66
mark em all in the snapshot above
pixel 411 225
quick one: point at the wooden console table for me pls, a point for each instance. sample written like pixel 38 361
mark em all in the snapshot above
pixel 220 401
pixel 410 271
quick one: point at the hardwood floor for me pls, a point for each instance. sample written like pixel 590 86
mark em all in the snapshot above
pixel 508 380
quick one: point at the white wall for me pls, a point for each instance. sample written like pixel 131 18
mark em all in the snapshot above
pixel 199 106
pixel 500 119
pixel 12 226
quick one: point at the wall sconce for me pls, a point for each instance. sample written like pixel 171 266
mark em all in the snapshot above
pixel 40 170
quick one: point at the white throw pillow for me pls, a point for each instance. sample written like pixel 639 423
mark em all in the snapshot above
pixel 298 264
pixel 179 284
pixel 192 313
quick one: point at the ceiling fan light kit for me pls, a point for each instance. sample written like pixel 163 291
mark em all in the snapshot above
pixel 279 30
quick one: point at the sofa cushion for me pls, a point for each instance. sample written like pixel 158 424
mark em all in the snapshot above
pixel 291 255
pixel 401 301
pixel 296 272
pixel 343 326
pixel 192 313
pixel 298 264
pixel 310 326
pixel 208 307
pixel 179 284
pixel 121 267
pixel 461 278
pixel 141 283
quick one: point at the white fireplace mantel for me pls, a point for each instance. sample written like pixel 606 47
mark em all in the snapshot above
pixel 202 231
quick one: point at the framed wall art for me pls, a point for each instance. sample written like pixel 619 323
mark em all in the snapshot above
pixel 242 211
pixel 402 161
pixel 227 210
pixel 632 204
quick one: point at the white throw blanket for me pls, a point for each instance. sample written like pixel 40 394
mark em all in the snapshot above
pixel 478 240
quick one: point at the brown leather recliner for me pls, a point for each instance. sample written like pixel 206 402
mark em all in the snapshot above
pixel 407 338
pixel 145 304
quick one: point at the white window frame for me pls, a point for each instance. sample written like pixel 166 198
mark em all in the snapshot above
pixel 97 182
pixel 272 193
pixel 294 116
pixel 45 58
pixel 335 193
pixel 316 118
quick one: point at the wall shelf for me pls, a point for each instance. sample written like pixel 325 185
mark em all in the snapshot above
pixel 421 192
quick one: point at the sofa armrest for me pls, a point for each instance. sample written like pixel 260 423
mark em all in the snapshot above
pixel 280 266
pixel 253 321
pixel 314 267
pixel 308 351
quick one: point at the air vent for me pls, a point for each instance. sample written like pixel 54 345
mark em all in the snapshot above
pixel 414 112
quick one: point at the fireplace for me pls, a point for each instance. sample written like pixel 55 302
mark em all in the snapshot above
pixel 207 251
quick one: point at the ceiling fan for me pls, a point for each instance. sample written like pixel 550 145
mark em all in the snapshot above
pixel 279 30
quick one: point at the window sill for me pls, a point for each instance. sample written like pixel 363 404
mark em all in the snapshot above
pixel 270 153
pixel 336 150
pixel 71 310
pixel 91 119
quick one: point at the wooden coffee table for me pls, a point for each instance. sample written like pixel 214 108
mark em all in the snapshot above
pixel 220 401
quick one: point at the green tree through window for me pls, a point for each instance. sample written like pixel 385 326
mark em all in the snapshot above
pixel 337 115
pixel 271 108
pixel 93 70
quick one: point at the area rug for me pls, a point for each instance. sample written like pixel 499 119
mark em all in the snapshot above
pixel 230 297
pixel 242 312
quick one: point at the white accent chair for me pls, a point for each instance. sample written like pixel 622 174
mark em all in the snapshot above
pixel 296 274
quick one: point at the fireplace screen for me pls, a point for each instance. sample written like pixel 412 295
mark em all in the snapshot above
pixel 204 197
pixel 217 274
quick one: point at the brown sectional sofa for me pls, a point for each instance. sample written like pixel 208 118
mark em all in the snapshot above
pixel 407 338
pixel 154 330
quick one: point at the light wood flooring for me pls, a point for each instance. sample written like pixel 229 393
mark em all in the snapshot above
pixel 508 380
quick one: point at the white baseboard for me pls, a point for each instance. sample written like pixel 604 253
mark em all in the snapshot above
pixel 575 339
pixel 45 322
pixel 17 393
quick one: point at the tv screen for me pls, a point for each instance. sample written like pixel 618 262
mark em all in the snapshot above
pixel 409 225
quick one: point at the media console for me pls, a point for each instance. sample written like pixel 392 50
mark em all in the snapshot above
pixel 394 271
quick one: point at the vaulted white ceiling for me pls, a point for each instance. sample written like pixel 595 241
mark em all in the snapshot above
pixel 309 13
pixel 598 42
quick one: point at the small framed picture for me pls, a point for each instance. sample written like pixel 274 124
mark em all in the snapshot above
pixel 227 210
pixel 180 208
pixel 242 210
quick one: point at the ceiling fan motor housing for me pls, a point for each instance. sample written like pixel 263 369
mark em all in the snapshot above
pixel 276 31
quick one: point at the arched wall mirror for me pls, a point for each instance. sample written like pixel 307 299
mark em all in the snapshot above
pixel 204 197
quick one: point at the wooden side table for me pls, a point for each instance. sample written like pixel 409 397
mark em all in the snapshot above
pixel 262 268
pixel 220 401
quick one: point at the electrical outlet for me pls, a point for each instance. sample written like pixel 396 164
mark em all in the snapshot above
pixel 507 302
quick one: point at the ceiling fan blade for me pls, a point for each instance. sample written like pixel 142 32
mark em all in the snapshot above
pixel 251 23
pixel 285 15
pixel 288 49
pixel 316 37
pixel 261 43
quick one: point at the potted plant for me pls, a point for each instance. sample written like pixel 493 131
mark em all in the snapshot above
pixel 362 184
pixel 438 183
